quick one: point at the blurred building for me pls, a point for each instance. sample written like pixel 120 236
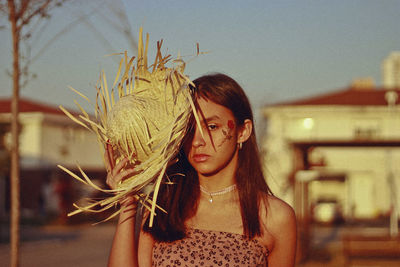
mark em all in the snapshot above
pixel 336 155
pixel 391 70
pixel 47 138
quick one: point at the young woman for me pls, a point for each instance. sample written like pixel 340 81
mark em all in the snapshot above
pixel 221 212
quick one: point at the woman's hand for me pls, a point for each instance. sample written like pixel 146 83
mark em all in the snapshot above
pixel 123 250
pixel 116 172
pixel 115 175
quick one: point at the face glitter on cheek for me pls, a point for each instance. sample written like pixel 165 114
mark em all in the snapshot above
pixel 231 125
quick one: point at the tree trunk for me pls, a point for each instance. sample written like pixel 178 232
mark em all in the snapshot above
pixel 15 179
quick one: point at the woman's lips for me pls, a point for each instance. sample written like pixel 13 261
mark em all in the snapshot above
pixel 200 157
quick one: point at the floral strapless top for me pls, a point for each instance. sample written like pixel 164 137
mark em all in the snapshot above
pixel 210 248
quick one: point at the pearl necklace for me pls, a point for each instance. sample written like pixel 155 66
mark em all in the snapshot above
pixel 219 192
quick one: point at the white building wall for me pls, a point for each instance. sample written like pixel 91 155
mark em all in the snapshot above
pixel 30 136
pixel 68 144
pixel 47 140
pixel 367 169
pixel 277 157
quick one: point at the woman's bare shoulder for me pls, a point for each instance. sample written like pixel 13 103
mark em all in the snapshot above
pixel 276 214
pixel 279 226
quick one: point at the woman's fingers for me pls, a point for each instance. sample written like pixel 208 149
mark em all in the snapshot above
pixel 114 181
pixel 110 155
pixel 114 178
pixel 120 165
pixel 107 161
pixel 115 171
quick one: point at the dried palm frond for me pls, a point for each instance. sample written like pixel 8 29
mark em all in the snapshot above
pixel 144 117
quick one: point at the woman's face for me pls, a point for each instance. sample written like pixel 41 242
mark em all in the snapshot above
pixel 216 149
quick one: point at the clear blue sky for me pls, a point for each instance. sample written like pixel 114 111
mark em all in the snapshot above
pixel 277 50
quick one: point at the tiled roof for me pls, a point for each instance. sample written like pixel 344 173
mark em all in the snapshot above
pixel 26 105
pixel 347 97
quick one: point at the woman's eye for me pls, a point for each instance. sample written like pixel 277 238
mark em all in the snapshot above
pixel 212 127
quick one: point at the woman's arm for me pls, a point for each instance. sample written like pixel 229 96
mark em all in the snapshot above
pixel 281 224
pixel 123 250
pixel 145 249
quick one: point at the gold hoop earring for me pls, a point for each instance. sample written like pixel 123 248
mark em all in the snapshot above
pixel 240 145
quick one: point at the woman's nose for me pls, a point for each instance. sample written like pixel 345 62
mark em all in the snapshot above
pixel 198 139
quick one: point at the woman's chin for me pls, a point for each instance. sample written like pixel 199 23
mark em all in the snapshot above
pixel 204 171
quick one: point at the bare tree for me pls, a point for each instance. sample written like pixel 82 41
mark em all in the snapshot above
pixel 24 17
pixel 21 14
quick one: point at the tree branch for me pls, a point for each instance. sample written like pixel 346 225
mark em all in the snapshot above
pixel 3 7
pixel 40 10
pixel 23 8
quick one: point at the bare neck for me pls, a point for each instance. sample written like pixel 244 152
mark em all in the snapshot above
pixel 221 179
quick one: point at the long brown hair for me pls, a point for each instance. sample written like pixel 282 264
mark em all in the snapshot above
pixel 180 196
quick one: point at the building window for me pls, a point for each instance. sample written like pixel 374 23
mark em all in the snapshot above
pixel 366 128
